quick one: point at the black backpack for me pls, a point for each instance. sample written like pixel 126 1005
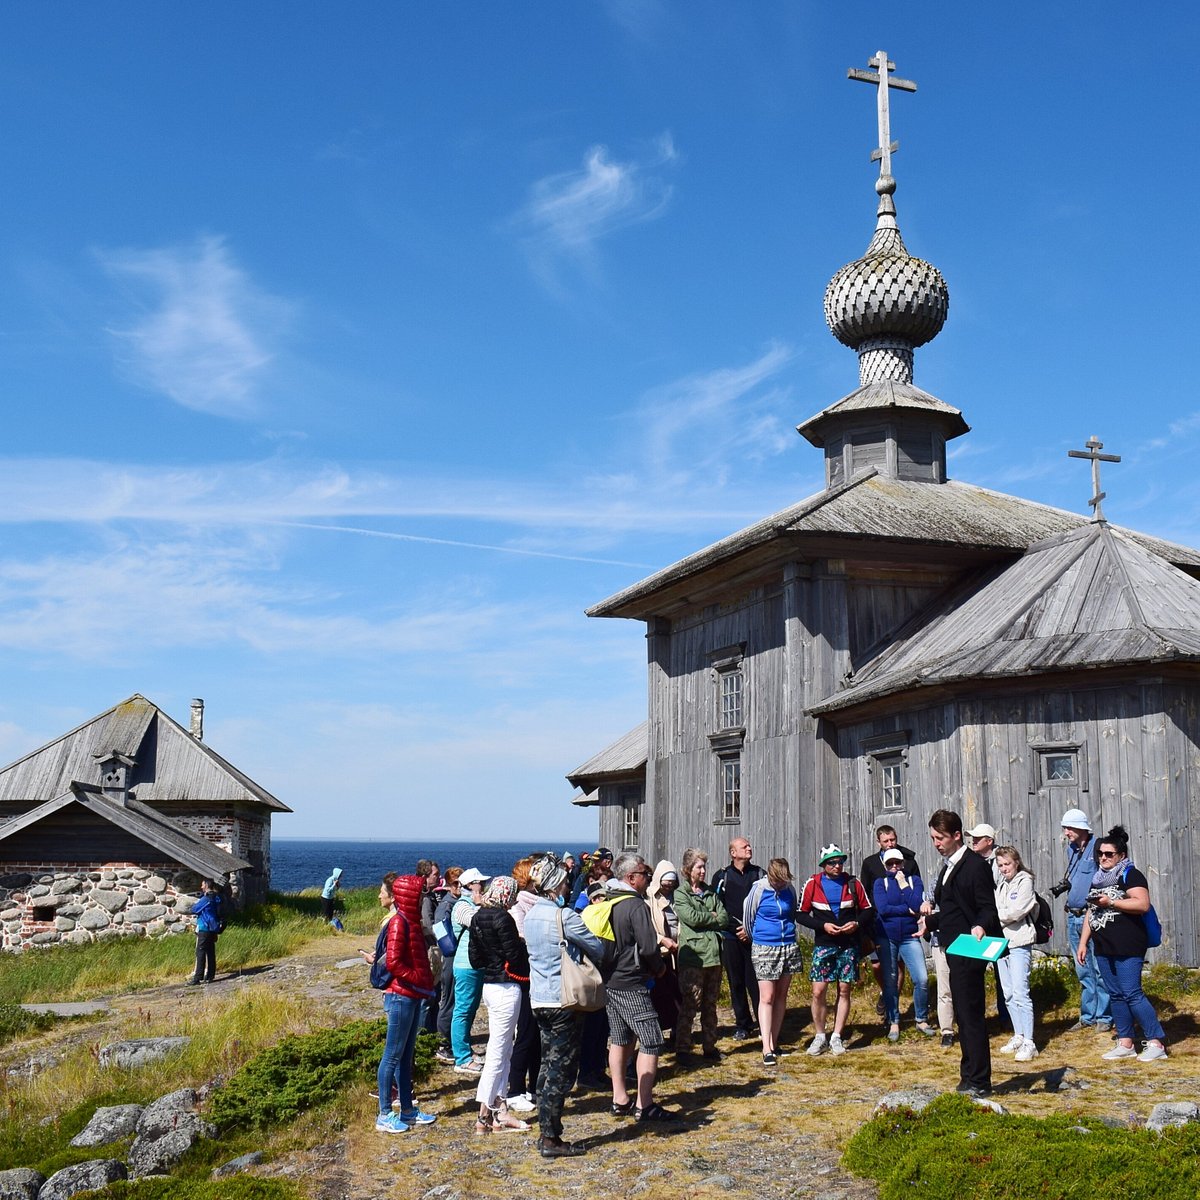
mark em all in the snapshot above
pixel 1043 920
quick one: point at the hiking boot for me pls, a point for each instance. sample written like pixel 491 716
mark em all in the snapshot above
pixel 817 1045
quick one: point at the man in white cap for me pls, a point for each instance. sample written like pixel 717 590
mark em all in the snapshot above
pixel 1095 1007
pixel 982 839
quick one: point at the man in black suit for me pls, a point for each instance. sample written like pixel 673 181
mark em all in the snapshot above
pixel 966 903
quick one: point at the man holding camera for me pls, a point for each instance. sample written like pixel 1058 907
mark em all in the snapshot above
pixel 1095 1007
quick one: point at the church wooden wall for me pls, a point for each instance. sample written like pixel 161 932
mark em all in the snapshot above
pixel 1140 767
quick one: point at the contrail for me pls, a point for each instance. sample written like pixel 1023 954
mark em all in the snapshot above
pixel 432 541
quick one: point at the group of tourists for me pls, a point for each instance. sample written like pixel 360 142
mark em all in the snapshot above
pixel 660 937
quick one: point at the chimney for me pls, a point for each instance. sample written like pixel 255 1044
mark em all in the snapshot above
pixel 198 720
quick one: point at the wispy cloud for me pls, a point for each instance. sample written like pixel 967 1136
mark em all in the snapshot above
pixel 568 213
pixel 206 335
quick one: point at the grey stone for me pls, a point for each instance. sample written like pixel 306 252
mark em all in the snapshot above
pixel 994 1105
pixel 77 937
pixel 64 924
pixel 153 1156
pixel 113 901
pixel 60 887
pixel 139 1051
pixel 724 1182
pixel 20 1184
pixel 72 908
pixel 236 1165
pixel 10 914
pixel 914 1098
pixel 443 1191
pixel 184 904
pixel 109 1125
pixel 69 1008
pixel 139 874
pixel 1179 1112
pixel 156 884
pixel 118 931
pixel 44 939
pixel 96 1173
pixel 38 891
pixel 17 880
pixel 94 918
pixel 165 1112
pixel 144 896
pixel 139 914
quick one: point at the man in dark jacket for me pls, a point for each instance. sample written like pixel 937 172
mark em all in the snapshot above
pixel 732 884
pixel 631 1015
pixel 966 904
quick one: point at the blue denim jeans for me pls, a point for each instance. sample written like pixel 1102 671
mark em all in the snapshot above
pixel 1014 980
pixel 910 951
pixel 468 988
pixel 396 1065
pixel 1094 1005
pixel 1123 978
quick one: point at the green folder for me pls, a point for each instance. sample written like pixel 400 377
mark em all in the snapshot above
pixel 988 948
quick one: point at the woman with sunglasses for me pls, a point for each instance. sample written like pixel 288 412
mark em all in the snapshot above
pixel 1118 900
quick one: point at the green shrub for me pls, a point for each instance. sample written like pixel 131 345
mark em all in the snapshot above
pixel 955 1147
pixel 15 1022
pixel 1052 984
pixel 1168 980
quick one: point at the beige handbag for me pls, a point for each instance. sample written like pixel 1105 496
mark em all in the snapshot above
pixel 582 988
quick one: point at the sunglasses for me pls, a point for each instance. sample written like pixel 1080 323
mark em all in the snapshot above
pixel 1108 854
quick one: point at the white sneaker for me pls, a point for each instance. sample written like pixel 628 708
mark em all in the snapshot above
pixel 836 1045
pixel 1013 1044
pixel 1153 1051
pixel 1119 1051
pixel 1026 1052
pixel 522 1103
pixel 817 1046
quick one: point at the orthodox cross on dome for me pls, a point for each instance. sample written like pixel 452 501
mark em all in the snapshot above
pixel 883 80
pixel 1094 446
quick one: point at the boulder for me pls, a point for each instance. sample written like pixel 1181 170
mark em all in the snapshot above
pixel 235 1166
pixel 1179 1112
pixel 185 903
pixel 45 939
pixel 144 896
pixel 156 884
pixel 77 937
pixel 164 1114
pixel 156 1156
pixel 912 1098
pixel 94 918
pixel 17 880
pixel 64 924
pixel 112 900
pixel 38 891
pixel 10 914
pixel 61 887
pixel 72 908
pixel 97 1173
pixel 20 1184
pixel 109 1125
pixel 139 914
pixel 137 1052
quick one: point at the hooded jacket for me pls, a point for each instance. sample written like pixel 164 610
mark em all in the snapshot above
pixel 406 957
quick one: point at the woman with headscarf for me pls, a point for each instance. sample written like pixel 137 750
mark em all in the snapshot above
pixel 1117 904
pixel 412 982
pixel 702 916
pixel 548 924
pixel 660 896
pixel 770 916
pixel 498 954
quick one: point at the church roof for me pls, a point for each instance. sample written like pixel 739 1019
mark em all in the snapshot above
pixel 1091 598
pixel 626 756
pixel 884 397
pixel 169 764
pixel 869 510
pixel 176 843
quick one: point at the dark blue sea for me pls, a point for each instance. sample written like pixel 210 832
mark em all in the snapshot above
pixel 299 863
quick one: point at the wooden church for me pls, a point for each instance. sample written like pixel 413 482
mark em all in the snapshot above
pixel 902 642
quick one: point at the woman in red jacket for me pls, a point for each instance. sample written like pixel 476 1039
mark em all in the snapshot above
pixel 412 982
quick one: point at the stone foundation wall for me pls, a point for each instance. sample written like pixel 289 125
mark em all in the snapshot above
pixel 45 904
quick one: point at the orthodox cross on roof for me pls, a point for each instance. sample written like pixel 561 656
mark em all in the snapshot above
pixel 881 77
pixel 1094 446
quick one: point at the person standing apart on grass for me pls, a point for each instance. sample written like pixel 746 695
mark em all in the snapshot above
pixel 1117 904
pixel 329 894
pixel 898 900
pixel 207 911
pixel 1095 1008
pixel 835 907
pixel 702 917
pixel 631 1017
pixel 966 904
pixel 1016 906
pixel 412 982
pixel 548 924
pixel 770 916
pixel 732 885
pixel 499 955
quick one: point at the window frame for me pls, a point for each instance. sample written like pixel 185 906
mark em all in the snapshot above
pixel 1041 752
pixel 883 755
pixel 727 814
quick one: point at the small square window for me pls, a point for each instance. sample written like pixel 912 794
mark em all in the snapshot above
pixel 891 783
pixel 632 825
pixel 1060 768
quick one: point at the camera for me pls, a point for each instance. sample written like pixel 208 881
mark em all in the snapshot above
pixel 1060 888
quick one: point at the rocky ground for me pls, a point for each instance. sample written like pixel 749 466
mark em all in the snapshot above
pixel 744 1130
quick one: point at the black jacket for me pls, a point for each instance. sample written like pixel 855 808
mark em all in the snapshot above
pixel 966 899
pixel 494 943
pixel 733 886
pixel 873 868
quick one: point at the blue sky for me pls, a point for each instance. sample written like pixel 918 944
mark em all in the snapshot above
pixel 349 352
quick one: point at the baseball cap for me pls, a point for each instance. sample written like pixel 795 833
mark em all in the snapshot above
pixel 473 875
pixel 892 855
pixel 983 829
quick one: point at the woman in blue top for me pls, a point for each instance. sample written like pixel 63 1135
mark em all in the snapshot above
pixel 770 916
pixel 207 911
pixel 897 907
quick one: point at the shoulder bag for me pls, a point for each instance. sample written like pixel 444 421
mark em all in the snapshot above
pixel 582 988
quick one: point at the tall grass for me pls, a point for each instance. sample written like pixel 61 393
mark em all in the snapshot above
pixel 261 934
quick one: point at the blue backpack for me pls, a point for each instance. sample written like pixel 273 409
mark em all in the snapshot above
pixel 381 977
pixel 1151 921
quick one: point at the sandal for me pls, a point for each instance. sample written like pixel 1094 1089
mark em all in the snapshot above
pixel 503 1121
pixel 484 1125
pixel 625 1110
pixel 655 1112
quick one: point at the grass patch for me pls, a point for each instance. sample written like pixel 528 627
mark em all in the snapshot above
pixel 261 934
pixel 1052 984
pixel 1169 981
pixel 237 1187
pixel 955 1147
pixel 16 1022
